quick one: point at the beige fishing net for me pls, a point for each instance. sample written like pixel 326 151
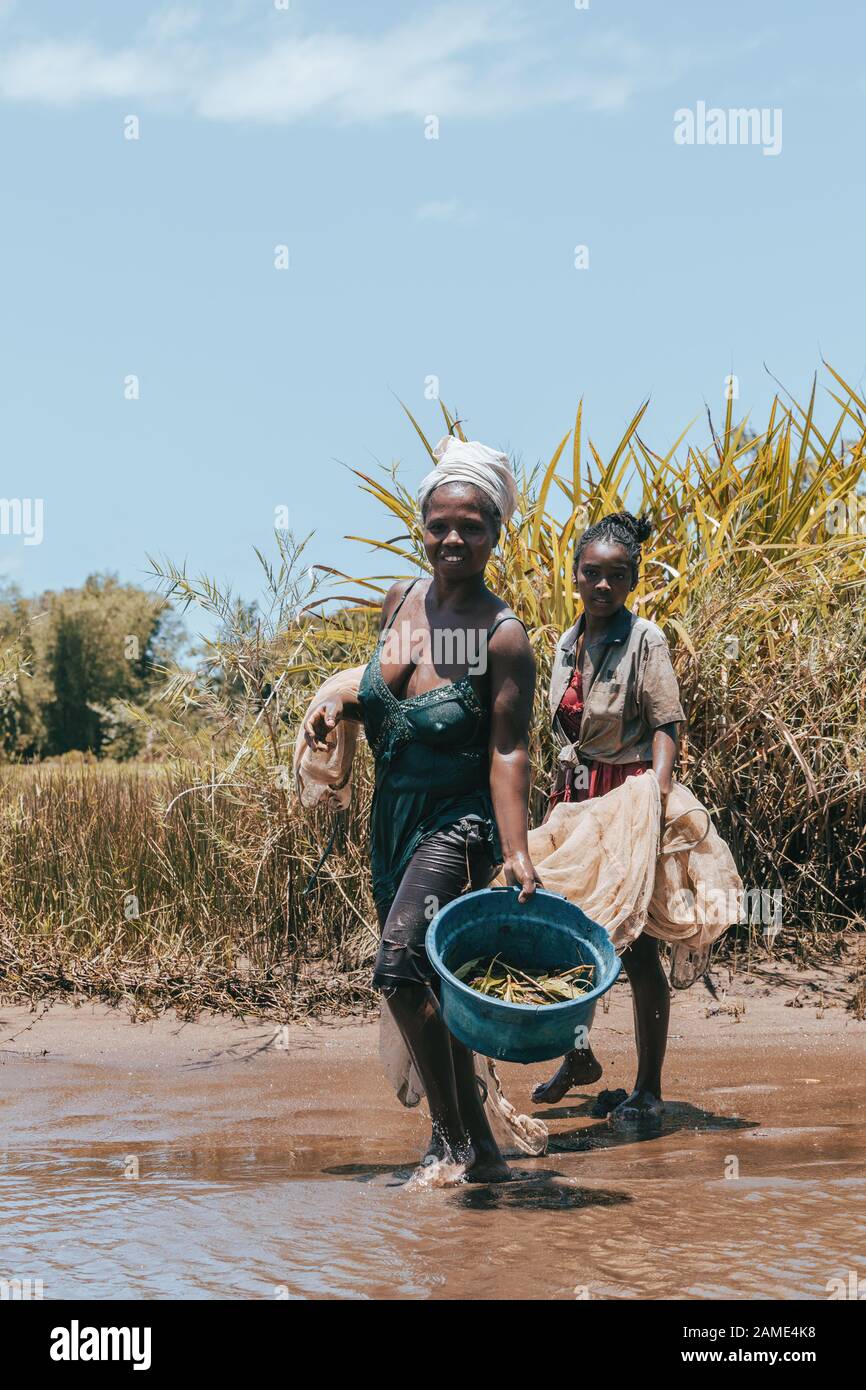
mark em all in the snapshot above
pixel 608 855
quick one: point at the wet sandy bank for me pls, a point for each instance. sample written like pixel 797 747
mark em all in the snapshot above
pixel 225 1159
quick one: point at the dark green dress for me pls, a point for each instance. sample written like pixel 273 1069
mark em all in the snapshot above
pixel 432 766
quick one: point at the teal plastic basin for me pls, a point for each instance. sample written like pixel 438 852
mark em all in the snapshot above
pixel 545 932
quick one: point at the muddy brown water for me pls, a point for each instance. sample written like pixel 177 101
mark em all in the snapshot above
pixel 217 1160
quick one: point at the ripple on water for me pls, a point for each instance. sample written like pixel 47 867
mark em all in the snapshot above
pixel 218 1224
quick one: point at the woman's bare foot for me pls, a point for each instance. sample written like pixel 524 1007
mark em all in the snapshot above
pixel 488 1166
pixel 443 1165
pixel 577 1069
pixel 435 1148
pixel 642 1107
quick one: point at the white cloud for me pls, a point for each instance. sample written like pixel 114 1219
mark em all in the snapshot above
pixel 63 74
pixel 478 60
pixel 447 211
pixel 173 23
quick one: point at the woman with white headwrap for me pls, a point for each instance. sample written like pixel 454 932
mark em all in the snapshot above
pixel 446 701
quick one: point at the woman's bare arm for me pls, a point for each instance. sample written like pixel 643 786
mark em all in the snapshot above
pixel 664 757
pixel 326 716
pixel 512 687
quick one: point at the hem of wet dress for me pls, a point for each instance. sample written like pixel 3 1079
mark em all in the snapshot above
pixel 386 899
pixel 418 967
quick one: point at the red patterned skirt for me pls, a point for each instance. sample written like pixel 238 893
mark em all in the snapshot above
pixel 602 777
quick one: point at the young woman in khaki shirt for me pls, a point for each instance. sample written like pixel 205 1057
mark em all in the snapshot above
pixel 615 708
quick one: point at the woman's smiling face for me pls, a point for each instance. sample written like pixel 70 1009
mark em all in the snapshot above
pixel 604 578
pixel 459 534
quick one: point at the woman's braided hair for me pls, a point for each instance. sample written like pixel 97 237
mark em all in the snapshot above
pixel 618 528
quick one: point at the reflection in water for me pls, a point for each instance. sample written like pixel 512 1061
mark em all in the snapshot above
pixel 608 1136
pixel 545 1195
pixel 248 1221
pixel 267 1176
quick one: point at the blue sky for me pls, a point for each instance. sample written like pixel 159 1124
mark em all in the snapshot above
pixel 408 257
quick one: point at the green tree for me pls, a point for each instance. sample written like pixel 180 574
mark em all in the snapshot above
pixel 84 655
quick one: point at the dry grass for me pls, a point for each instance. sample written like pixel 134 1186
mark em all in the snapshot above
pixel 757 573
pixel 189 982
pixel 185 882
pixel 105 892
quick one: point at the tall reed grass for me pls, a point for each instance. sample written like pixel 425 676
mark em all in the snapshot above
pixel 757 573
pixel 191 881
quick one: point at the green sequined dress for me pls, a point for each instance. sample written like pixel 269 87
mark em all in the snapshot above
pixel 432 766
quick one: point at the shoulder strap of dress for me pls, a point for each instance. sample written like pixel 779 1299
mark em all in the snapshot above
pixel 504 619
pixel 409 586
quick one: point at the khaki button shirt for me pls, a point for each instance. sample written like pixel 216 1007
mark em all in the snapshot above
pixel 629 691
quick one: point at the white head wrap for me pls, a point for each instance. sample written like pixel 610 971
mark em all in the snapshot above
pixel 470 462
